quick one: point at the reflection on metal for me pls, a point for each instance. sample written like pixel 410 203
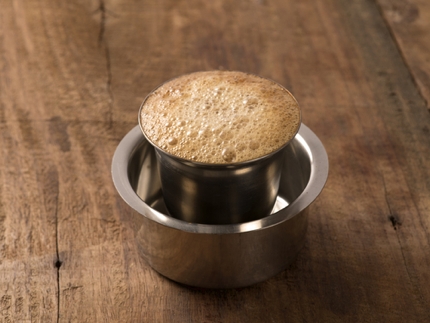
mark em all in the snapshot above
pixel 220 255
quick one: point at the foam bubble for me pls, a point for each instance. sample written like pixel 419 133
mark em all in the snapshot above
pixel 191 133
pixel 172 141
pixel 240 146
pixel 204 132
pixel 228 154
pixel 254 144
pixel 225 134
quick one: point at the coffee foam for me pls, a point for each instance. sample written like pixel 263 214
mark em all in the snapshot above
pixel 220 117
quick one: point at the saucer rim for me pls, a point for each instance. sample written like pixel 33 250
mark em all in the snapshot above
pixel 318 177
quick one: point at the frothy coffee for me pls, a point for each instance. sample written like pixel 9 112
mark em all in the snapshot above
pixel 220 117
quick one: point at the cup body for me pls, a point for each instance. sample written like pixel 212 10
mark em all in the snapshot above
pixel 219 194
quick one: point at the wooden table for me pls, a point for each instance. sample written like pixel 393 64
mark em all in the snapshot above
pixel 72 77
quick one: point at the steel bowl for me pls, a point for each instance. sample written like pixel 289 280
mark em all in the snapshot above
pixel 220 255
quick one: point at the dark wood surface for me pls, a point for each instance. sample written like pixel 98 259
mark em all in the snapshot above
pixel 72 77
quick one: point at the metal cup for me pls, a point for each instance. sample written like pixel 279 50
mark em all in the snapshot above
pixel 219 193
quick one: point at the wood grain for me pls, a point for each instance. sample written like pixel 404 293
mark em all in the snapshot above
pixel 409 23
pixel 73 75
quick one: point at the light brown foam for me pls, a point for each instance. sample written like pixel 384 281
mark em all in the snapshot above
pixel 220 117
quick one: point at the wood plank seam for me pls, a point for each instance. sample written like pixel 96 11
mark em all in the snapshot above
pixel 103 43
pixel 58 263
pixel 402 55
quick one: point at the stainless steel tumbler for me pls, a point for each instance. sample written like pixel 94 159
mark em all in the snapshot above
pixel 219 194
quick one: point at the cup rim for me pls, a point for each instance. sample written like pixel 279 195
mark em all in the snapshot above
pixel 318 177
pixel 217 165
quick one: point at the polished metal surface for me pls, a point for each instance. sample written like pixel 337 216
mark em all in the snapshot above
pixel 219 194
pixel 220 255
